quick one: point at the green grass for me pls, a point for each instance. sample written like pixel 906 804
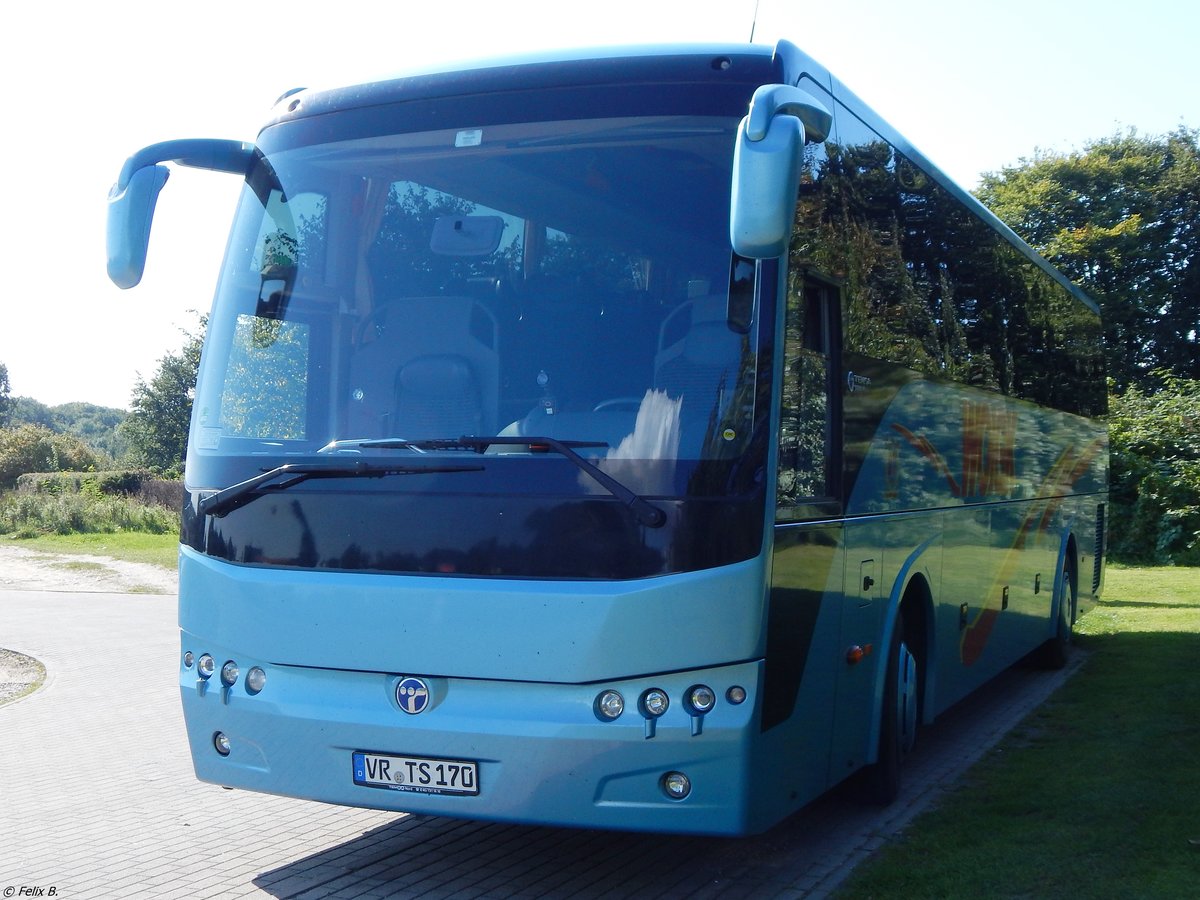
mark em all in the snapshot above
pixel 81 566
pixel 28 515
pixel 133 546
pixel 1097 793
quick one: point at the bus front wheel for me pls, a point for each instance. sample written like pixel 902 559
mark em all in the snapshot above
pixel 898 724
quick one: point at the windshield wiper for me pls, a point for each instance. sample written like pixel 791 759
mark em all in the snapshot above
pixel 645 511
pixel 238 495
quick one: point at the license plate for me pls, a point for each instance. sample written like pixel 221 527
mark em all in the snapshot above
pixel 416 774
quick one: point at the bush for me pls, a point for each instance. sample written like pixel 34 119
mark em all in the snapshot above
pixel 138 484
pixel 25 514
pixel 35 448
pixel 161 492
pixel 122 481
pixel 1154 438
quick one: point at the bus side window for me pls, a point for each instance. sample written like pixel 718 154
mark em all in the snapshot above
pixel 806 416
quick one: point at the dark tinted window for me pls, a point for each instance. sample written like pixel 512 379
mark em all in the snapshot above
pixel 932 287
pixel 806 448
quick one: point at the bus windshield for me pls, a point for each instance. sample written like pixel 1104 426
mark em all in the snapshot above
pixel 566 279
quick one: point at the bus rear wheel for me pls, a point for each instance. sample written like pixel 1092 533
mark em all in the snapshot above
pixel 1056 652
pixel 898 724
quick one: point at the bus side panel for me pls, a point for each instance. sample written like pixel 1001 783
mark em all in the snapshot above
pixel 901 550
pixel 968 579
pixel 862 620
pixel 804 623
pixel 1013 480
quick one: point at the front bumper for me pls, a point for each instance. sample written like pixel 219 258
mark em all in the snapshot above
pixel 544 755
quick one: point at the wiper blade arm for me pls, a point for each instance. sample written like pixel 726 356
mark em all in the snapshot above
pixel 469 442
pixel 238 495
pixel 645 511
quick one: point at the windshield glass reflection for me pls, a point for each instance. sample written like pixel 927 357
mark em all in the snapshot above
pixel 567 280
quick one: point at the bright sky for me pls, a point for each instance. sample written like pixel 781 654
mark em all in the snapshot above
pixel 976 86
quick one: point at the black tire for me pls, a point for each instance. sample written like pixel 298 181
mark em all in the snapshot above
pixel 1056 652
pixel 898 722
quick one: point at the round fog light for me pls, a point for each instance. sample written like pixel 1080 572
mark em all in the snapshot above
pixel 701 699
pixel 229 673
pixel 256 680
pixel 736 695
pixel 206 666
pixel 609 705
pixel 676 785
pixel 654 703
pixel 189 660
pixel 221 742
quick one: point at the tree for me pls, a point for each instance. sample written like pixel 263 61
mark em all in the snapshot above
pixel 95 425
pixel 157 425
pixel 27 411
pixel 5 400
pixel 1122 219
pixel 1155 442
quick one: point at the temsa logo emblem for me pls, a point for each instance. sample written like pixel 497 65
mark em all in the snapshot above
pixel 412 694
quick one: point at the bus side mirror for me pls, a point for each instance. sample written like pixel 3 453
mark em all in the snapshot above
pixel 766 167
pixel 132 199
pixel 130 212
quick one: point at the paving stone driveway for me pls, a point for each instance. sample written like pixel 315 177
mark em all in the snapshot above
pixel 97 797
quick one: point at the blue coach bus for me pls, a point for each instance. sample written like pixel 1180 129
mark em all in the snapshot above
pixel 639 439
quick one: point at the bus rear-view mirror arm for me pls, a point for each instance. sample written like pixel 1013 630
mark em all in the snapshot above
pixel 132 199
pixel 766 167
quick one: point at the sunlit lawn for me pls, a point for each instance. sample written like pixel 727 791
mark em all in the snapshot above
pixel 1097 794
pixel 134 546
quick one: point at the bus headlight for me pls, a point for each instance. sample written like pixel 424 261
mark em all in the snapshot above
pixel 654 703
pixel 701 699
pixel 609 705
pixel 229 673
pixel 205 666
pixel 256 680
pixel 221 743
